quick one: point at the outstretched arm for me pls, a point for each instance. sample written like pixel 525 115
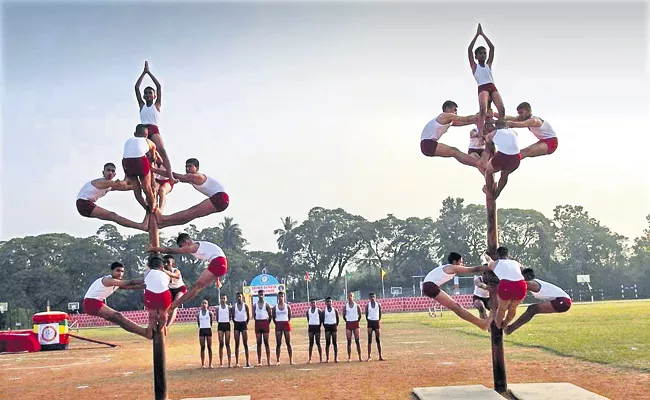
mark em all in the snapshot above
pixel 530 122
pixel 466 120
pixel 490 45
pixel 460 269
pixel 197 179
pixel 172 250
pixel 470 49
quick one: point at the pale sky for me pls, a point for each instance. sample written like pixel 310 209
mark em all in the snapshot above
pixel 298 105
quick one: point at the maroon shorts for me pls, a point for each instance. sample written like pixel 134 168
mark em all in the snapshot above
pixel 428 147
pixel 512 290
pixel 352 325
pixel 220 201
pixel 157 301
pixel 374 325
pixel 506 162
pixel 92 306
pixel 85 207
pixel 152 129
pixel 330 327
pixel 282 326
pixel 551 143
pixel 175 291
pixel 477 151
pixel 136 167
pixel 161 182
pixel 487 87
pixel 561 304
pixel 261 326
pixel 430 289
pixel 218 266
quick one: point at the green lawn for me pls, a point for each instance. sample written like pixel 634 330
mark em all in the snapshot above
pixel 612 332
pixel 615 333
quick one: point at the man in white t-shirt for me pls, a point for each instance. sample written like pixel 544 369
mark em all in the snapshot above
pixel 224 314
pixel 139 153
pixel 95 299
pixel 98 188
pixel 543 131
pixel 204 319
pixel 373 319
pixel 481 296
pixel 216 202
pixel 176 287
pixel 554 300
pixel 201 250
pixel 157 297
pixel 506 159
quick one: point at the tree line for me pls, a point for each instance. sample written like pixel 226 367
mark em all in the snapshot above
pixel 329 243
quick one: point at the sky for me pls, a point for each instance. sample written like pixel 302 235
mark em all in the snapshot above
pixel 295 105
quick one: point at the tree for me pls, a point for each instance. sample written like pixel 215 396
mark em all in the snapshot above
pixel 461 229
pixel 232 235
pixel 284 233
pixel 640 261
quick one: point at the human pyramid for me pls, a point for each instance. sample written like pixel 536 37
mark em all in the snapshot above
pixel 148 170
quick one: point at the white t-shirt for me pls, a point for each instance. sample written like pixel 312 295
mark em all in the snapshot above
pixel 98 291
pixel 136 147
pixel 156 281
pixel 506 141
pixel 373 312
pixel 204 320
pixel 548 291
pixel 434 130
pixel 508 269
pixel 439 276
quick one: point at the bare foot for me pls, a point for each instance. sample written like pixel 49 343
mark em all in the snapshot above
pixel 210 366
pixel 382 359
pixel 277 363
pixel 259 364
pixel 309 361
pixel 237 366
pixel 292 362
pixel 349 360
pixel 369 359
pixel 202 366
pixel 327 361
pixel 336 361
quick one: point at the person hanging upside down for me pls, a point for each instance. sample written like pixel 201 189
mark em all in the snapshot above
pixel 554 300
pixel 444 273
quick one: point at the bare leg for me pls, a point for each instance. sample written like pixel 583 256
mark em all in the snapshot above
pixel 202 209
pixel 278 344
pixel 205 279
pixel 358 342
pixel 209 343
pixel 336 346
pixel 268 348
pixel 348 335
pixel 328 340
pixel 160 146
pixel 137 192
pixel 172 311
pixel 162 195
pixel 498 103
pixel 512 311
pixel 103 214
pixel 535 150
pixel 320 351
pixel 202 343
pixel 148 192
pixel 237 335
pixel 541 308
pixel 369 342
pixel 111 315
pixel 481 309
pixel 445 300
pixel 259 349
pixel 244 335
pixel 378 340
pixel 503 181
pixel 311 345
pixel 502 307
pixel 287 341
pixel 227 339
pixel 483 98
pixel 221 344
pixel 442 150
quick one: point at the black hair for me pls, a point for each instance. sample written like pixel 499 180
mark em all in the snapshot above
pixel 328 298
pixel 155 262
pixel 168 257
pixel 139 128
pixel 181 238
pixel 116 264
pixel 448 104
pixel 310 300
pixel 528 273
pixel 453 256
pixel 280 293
pixel 150 88
pixel 524 106
pixel 501 124
pixel 261 291
pixel 502 251
pixel 192 161
pixel 110 164
pixel 371 294
pixel 239 294
pixel 479 48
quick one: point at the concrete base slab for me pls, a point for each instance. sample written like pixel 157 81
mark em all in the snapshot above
pixel 552 391
pixel 469 392
pixel 221 398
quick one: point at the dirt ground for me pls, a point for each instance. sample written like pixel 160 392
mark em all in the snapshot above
pixel 417 356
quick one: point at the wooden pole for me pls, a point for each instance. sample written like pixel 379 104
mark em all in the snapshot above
pixel 496 334
pixel 159 370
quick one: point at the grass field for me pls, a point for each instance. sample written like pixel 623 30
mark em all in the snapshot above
pixel 603 347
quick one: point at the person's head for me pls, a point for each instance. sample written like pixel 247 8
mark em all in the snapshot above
pixel 528 273
pixel 480 53
pixel 183 240
pixel 281 297
pixel 109 171
pixel 149 94
pixel 489 127
pixel 191 166
pixel 239 296
pixel 524 110
pixel 328 301
pixel 312 303
pixel 455 258
pixel 350 296
pixel 224 299
pixel 117 270
pixel 260 294
pixel 372 296
pixel 500 124
pixel 502 252
pixel 450 107
pixel 204 304
pixel 169 262
pixel 141 130
pixel 155 262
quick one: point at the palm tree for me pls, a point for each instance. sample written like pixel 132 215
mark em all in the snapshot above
pixel 284 233
pixel 232 235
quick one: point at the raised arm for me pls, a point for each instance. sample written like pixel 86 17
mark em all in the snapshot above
pixel 197 179
pixel 470 49
pixel 172 250
pixel 138 94
pixel 490 45
pixel 158 86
